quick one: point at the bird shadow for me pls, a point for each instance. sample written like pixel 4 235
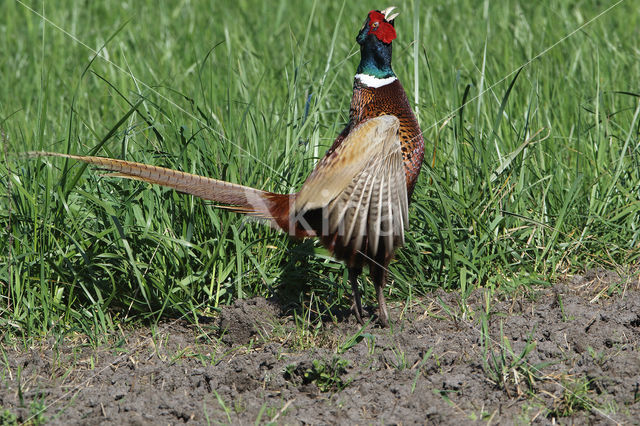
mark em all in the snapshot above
pixel 298 274
pixel 295 277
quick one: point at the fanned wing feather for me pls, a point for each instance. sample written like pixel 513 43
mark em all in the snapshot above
pixel 388 216
pixel 361 188
pixel 353 205
pixel 375 211
pixel 362 215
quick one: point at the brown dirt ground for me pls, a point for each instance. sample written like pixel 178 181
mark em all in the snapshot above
pixel 253 364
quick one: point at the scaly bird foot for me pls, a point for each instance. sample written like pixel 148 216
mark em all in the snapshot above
pixel 383 316
pixel 357 312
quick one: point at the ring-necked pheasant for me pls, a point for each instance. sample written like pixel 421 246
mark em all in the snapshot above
pixel 356 199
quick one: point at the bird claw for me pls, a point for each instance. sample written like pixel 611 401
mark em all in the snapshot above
pixel 357 313
pixel 383 318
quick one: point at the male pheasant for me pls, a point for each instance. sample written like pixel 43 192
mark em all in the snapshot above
pixel 356 199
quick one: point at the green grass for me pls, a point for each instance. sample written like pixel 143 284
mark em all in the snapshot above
pixel 528 175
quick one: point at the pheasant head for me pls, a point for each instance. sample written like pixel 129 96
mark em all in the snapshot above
pixel 375 39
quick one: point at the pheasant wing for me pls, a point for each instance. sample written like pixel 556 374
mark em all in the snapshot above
pixel 361 189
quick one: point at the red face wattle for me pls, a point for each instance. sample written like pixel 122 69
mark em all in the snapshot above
pixel 381 28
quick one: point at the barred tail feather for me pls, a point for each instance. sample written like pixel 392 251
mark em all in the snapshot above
pixel 239 198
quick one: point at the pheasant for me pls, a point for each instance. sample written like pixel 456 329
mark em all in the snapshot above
pixel 356 199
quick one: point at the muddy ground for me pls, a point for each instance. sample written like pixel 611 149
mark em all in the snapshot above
pixel 567 353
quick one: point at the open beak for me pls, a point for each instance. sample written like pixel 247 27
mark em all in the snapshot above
pixel 387 14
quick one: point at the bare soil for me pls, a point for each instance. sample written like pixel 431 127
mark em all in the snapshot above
pixel 567 353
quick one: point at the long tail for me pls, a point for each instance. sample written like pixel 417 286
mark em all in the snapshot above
pixel 238 198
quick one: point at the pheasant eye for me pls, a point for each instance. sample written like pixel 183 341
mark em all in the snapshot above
pixel 374 26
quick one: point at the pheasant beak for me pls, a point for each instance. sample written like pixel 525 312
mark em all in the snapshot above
pixel 387 14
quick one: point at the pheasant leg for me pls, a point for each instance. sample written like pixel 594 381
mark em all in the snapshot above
pixel 379 275
pixel 356 308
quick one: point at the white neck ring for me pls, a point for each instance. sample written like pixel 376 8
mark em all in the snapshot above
pixel 371 81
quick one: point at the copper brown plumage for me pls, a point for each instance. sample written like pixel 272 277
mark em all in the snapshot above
pixel 356 199
pixel 369 102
